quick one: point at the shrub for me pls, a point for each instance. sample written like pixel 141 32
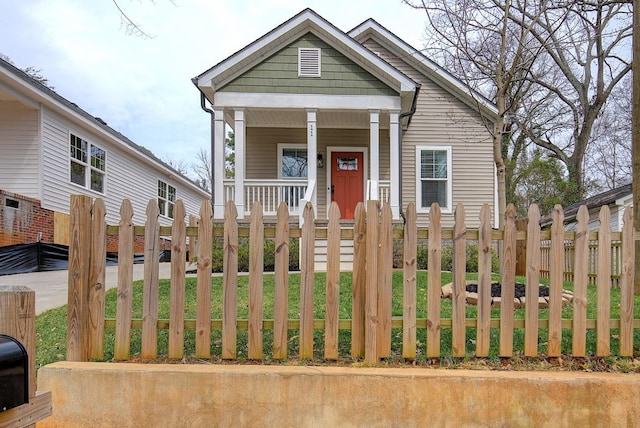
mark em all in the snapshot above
pixel 243 255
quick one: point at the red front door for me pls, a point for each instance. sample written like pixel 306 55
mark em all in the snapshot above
pixel 347 181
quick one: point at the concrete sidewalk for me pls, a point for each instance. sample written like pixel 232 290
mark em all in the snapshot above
pixel 52 287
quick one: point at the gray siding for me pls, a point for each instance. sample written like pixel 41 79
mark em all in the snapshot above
pixel 19 149
pixel 443 120
pixel 126 176
pixel 279 74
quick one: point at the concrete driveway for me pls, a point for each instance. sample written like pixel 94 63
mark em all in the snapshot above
pixel 51 287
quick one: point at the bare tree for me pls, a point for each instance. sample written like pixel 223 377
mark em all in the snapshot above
pixel 608 157
pixel 33 72
pixel 587 44
pixel 131 28
pixel 202 168
pixel 180 165
pixel 480 44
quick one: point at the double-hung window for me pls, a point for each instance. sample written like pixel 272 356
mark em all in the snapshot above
pixel 293 164
pixel 88 164
pixel 433 180
pixel 293 161
pixel 166 198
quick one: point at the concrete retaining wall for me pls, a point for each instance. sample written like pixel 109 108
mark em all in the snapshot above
pixel 145 395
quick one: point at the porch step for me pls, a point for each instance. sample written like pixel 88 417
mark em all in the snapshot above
pixel 346 255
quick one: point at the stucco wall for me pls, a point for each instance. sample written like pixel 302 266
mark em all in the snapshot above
pixel 144 395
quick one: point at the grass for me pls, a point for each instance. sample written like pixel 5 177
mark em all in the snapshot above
pixel 51 329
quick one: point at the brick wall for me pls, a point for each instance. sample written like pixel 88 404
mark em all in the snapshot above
pixel 22 219
pixel 138 244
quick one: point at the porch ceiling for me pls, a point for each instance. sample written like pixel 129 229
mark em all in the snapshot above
pixel 282 118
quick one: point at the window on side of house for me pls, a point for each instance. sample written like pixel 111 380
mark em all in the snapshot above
pixel 293 161
pixel 309 63
pixel 166 198
pixel 433 178
pixel 88 164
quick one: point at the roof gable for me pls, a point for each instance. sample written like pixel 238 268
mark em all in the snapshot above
pixel 279 73
pixel 371 29
pixel 306 21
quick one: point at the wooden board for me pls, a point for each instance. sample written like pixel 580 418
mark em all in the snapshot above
pixel 230 282
pixel 79 267
pixel 556 273
pixel 434 290
pixel 371 284
pixel 603 331
pixel 532 288
pixel 281 297
pixel 484 283
pixel 204 261
pixel 627 285
pixel 124 303
pixel 332 286
pixel 97 274
pixel 256 281
pixel 176 297
pixel 307 282
pixel 580 280
pixel 409 284
pixel 60 228
pixel 459 284
pixel 358 281
pixel 150 286
pixel 507 278
pixel 385 271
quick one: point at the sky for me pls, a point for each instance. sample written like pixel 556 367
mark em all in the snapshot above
pixel 142 86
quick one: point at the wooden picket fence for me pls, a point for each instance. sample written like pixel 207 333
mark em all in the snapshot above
pixel 371 321
pixel 593 261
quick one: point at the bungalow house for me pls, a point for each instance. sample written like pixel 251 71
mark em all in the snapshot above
pixel 50 149
pixel 322 115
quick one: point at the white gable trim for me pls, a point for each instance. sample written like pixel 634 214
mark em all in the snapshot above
pixel 306 20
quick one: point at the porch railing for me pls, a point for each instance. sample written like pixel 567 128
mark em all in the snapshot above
pixel 270 193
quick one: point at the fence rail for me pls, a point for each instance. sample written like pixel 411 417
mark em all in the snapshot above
pixel 371 322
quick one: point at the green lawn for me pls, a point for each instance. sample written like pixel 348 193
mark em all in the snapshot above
pixel 51 327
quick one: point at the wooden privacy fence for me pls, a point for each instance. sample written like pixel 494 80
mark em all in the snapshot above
pixel 371 321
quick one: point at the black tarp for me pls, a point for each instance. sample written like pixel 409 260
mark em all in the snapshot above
pixel 43 257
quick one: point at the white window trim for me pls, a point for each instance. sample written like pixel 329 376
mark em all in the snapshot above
pixel 419 208
pixel 302 73
pixel 281 147
pixel 87 185
pixel 167 201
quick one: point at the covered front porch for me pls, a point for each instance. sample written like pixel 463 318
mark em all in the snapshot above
pixel 316 156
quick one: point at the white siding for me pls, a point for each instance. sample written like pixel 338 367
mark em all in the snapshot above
pixel 443 120
pixel 19 149
pixel 126 176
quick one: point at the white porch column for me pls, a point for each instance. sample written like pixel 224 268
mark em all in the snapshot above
pixel 312 152
pixel 218 163
pixel 374 145
pixel 240 138
pixel 395 155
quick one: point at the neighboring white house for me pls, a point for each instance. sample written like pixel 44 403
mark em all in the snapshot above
pixel 322 115
pixel 617 199
pixel 50 149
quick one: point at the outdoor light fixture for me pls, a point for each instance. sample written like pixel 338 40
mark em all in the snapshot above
pixel 320 160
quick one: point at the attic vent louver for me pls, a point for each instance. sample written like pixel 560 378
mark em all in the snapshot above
pixel 309 62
